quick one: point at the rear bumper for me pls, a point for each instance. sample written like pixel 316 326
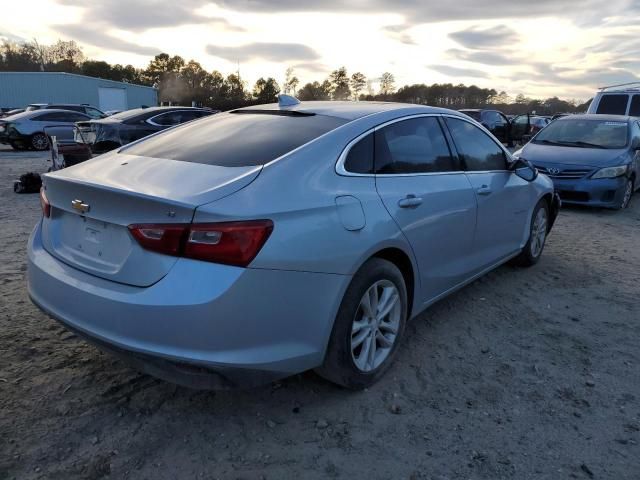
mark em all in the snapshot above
pixel 603 192
pixel 203 325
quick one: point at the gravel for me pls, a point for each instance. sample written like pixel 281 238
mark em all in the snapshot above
pixel 525 374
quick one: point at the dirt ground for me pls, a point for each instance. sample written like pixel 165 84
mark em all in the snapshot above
pixel 525 374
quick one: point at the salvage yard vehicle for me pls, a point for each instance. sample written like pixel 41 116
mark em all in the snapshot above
pixel 27 129
pixel 623 99
pixel 85 108
pixel 494 121
pixel 592 159
pixel 262 242
pixel 122 128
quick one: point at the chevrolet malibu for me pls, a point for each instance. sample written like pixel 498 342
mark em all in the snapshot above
pixel 263 242
pixel 592 159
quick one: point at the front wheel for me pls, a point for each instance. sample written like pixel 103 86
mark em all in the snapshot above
pixel 368 327
pixel 538 229
pixel 628 193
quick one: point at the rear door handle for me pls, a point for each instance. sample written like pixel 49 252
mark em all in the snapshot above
pixel 484 190
pixel 410 201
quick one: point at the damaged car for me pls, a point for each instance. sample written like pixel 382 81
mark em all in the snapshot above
pixel 265 241
pixel 103 135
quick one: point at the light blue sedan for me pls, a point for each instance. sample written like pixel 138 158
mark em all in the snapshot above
pixel 263 242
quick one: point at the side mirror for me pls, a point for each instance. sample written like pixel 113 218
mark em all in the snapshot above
pixel 524 170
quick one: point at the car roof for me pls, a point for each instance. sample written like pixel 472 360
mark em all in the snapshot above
pixel 597 116
pixel 345 110
pixel 42 112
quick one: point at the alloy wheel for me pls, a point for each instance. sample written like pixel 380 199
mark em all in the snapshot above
pixel 538 232
pixel 375 326
pixel 39 141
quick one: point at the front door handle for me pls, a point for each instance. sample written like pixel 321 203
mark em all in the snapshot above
pixel 410 201
pixel 484 190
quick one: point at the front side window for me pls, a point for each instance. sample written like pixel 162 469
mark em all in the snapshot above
pixel 412 146
pixel 476 149
pixel 634 110
pixel 613 104
pixel 167 119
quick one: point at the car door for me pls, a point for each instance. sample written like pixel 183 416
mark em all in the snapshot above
pixel 430 198
pixel 503 198
pixel 520 127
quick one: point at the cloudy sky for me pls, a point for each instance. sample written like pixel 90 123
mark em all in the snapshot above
pixel 537 47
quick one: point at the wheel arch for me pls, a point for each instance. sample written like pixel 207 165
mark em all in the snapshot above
pixel 403 261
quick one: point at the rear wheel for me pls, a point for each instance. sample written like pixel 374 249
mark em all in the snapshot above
pixel 368 327
pixel 538 229
pixel 39 141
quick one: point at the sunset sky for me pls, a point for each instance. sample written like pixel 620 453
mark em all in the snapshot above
pixel 540 48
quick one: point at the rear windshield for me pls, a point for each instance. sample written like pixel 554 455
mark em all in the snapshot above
pixel 236 139
pixel 613 105
pixel 584 133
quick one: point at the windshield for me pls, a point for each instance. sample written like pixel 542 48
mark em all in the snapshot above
pixel 585 133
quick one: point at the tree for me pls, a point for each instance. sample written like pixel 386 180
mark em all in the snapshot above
pixel 265 91
pixel 163 66
pixel 99 69
pixel 339 80
pixel 290 82
pixel 315 91
pixel 387 84
pixel 358 83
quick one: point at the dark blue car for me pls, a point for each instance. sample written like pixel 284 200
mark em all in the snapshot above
pixel 592 159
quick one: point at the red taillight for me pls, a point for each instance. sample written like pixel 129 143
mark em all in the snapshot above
pixel 231 243
pixel 44 203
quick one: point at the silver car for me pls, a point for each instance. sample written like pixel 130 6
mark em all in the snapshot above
pixel 28 129
pixel 262 242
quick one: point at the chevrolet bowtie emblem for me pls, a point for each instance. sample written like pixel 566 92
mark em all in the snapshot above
pixel 80 206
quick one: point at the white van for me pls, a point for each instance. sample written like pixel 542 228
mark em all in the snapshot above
pixel 621 99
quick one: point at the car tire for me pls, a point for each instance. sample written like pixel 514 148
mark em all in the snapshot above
pixel 628 193
pixel 39 142
pixel 358 365
pixel 538 231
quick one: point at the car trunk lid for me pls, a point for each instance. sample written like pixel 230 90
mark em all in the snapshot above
pixel 93 204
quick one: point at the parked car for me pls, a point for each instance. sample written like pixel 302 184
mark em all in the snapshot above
pixel 537 123
pixel 617 100
pixel 27 129
pixel 8 112
pixel 592 159
pixel 266 241
pixel 122 128
pixel 108 113
pixel 87 109
pixel 494 121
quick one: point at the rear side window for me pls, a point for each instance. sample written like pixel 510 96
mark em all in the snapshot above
pixel 634 110
pixel 478 151
pixel 236 139
pixel 613 104
pixel 360 157
pixel 412 146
